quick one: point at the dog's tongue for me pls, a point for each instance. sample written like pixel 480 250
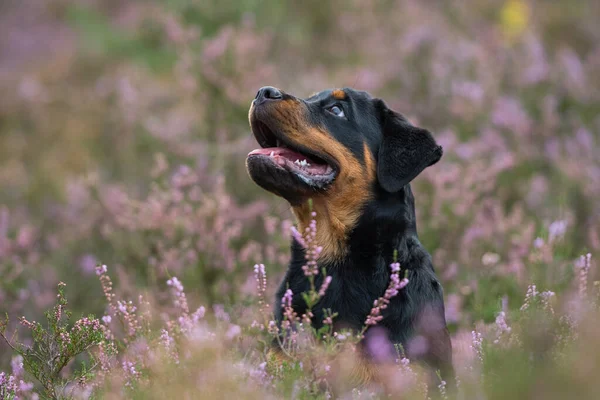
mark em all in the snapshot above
pixel 282 154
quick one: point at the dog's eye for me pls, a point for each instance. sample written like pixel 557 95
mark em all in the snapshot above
pixel 337 111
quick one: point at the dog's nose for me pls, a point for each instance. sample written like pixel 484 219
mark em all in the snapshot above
pixel 267 93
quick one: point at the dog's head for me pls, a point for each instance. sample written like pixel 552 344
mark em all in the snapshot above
pixel 338 147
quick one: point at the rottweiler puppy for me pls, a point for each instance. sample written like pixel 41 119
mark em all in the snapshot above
pixel 355 158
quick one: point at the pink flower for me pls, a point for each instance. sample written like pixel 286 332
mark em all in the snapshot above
pixel 8 385
pixel 393 289
pixel 286 300
pixel 529 297
pixel 17 366
pixel 101 269
pixel 584 265
pixel 233 331
pixel 501 326
pixel 176 284
pixel 198 314
pixel 325 286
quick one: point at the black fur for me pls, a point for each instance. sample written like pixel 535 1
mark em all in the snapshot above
pixel 387 223
pixel 404 152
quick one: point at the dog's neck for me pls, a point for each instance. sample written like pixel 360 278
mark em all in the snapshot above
pixel 332 228
pixel 384 220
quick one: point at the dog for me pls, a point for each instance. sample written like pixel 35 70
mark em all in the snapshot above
pixel 355 158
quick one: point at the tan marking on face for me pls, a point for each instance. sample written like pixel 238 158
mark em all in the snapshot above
pixel 338 94
pixel 370 166
pixel 339 208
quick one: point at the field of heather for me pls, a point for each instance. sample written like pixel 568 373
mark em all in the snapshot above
pixel 138 260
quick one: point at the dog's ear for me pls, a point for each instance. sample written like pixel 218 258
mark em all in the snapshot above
pixel 405 150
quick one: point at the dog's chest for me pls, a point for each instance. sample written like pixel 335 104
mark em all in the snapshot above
pixel 350 295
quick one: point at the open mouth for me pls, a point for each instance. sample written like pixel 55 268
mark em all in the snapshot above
pixel 308 166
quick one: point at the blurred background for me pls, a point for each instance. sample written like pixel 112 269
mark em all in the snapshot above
pixel 123 136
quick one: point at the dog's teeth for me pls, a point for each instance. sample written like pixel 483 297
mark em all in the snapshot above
pixel 271 155
pixel 297 162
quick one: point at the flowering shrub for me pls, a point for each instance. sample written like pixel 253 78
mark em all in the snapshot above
pixel 54 347
pixel 381 303
pixel 140 350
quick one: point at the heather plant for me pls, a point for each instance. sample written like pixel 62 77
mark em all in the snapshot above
pixel 53 348
pixel 187 224
pixel 295 334
pixel 381 303
pixel 146 353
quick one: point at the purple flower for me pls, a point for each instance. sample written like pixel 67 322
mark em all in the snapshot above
pixel 8 385
pixel 393 289
pixel 198 314
pixel 286 300
pixel 176 284
pixel 88 264
pixel 538 243
pixel 324 286
pixel 233 331
pixel 379 346
pixel 101 269
pixel 501 326
pixel 557 230
pixel 477 344
pixel 584 265
pixel 529 297
pixel 17 366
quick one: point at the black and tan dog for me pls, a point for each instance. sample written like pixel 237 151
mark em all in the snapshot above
pixel 355 158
